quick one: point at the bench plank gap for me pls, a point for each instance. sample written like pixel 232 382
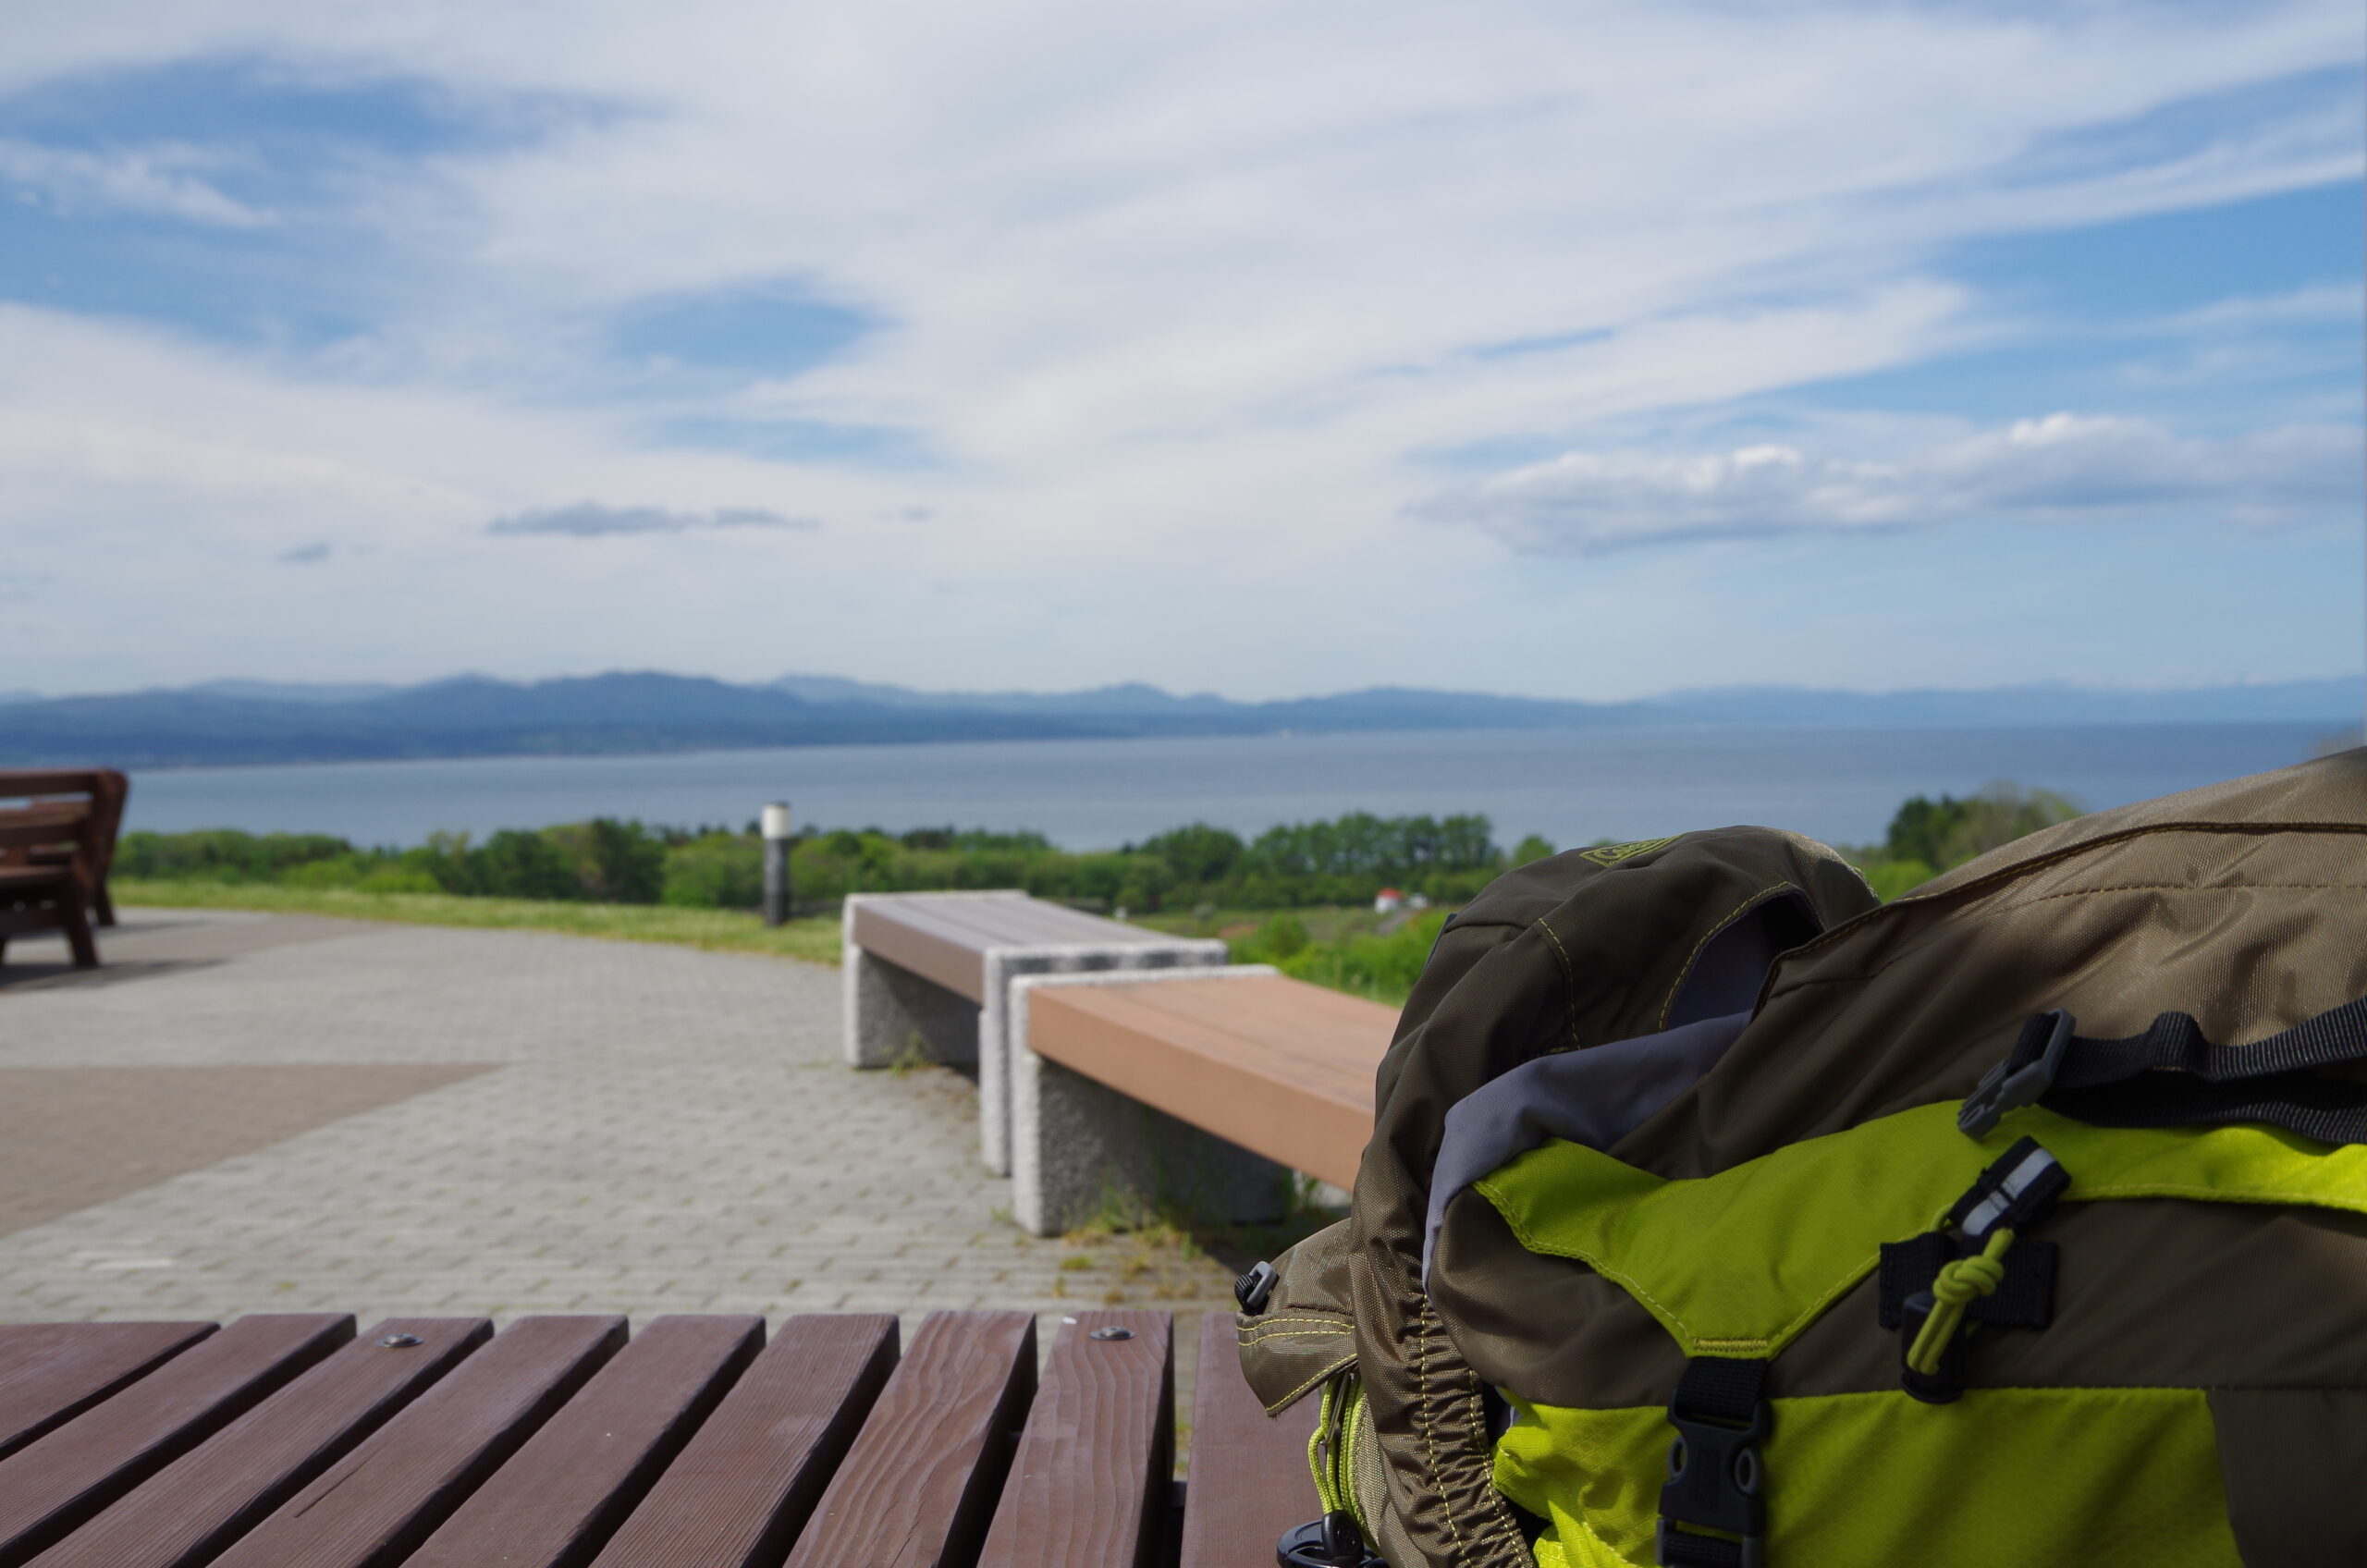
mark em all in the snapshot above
pixel 190 1511
pixel 1088 1487
pixel 52 1372
pixel 562 1495
pixel 371 1508
pixel 1249 1481
pixel 918 1488
pixel 742 1488
pixel 54 1485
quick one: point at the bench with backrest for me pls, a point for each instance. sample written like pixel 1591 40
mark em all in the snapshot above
pixel 928 978
pixel 697 1442
pixel 1204 1089
pixel 56 848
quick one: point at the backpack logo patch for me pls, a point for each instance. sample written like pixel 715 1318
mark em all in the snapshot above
pixel 1611 854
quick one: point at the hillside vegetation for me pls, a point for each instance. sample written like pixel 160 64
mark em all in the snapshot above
pixel 1298 895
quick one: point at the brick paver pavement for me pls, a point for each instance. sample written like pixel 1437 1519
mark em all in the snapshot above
pixel 656 1129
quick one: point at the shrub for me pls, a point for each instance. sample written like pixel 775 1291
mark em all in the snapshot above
pixel 720 871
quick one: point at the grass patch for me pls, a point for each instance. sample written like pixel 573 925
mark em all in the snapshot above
pixel 715 930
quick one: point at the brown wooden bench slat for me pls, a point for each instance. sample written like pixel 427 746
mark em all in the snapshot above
pixel 918 1486
pixel 373 1506
pixel 52 1372
pixel 740 1490
pixel 1249 1481
pixel 1089 1485
pixel 54 1485
pixel 1280 1067
pixel 187 1513
pixel 562 1496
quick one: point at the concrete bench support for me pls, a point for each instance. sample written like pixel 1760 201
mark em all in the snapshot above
pixel 927 977
pixel 1080 1148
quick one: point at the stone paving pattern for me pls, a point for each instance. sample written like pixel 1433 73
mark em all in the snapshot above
pixel 656 1129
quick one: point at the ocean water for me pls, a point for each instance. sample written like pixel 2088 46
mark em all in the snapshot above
pixel 1571 787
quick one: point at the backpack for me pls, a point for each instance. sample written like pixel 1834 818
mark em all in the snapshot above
pixel 1716 1215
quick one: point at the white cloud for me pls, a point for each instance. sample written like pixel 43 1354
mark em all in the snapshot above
pixel 2064 467
pixel 161 181
pixel 1182 298
pixel 587 520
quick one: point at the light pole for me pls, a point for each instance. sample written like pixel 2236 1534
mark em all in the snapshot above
pixel 776 829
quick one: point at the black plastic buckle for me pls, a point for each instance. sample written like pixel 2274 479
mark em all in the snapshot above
pixel 2006 1087
pixel 1714 1483
pixel 1332 1541
pixel 1251 1288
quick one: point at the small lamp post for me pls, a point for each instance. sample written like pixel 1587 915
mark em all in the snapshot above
pixel 776 829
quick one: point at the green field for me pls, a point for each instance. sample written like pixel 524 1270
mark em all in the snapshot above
pixel 716 930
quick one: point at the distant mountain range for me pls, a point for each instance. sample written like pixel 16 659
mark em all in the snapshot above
pixel 261 721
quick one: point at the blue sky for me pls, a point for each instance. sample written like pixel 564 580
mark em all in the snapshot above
pixel 1570 351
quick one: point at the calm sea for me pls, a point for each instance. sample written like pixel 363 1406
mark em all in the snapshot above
pixel 1571 787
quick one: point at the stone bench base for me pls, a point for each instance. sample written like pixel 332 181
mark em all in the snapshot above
pixel 894 1017
pixel 1080 1149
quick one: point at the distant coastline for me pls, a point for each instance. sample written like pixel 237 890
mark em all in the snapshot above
pixel 234 722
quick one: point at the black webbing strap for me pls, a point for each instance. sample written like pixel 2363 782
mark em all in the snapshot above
pixel 2171 1076
pixel 1714 1482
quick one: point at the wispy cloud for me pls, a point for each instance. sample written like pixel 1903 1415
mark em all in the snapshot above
pixel 305 555
pixel 159 181
pixel 2064 467
pixel 587 520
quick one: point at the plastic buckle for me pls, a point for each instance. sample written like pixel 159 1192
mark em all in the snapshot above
pixel 2006 1087
pixel 1332 1541
pixel 1714 1483
pixel 1251 1288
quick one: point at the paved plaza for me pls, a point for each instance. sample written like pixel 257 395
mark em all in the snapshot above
pixel 246 1112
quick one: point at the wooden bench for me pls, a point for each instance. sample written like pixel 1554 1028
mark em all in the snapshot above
pixel 929 976
pixel 562 1442
pixel 1202 1088
pixel 55 851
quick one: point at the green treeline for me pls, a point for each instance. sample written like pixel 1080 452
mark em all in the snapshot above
pixel 1343 862
pixel 1302 864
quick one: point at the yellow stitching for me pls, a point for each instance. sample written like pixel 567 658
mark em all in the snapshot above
pixel 1328 1371
pixel 1293 1334
pixel 1499 1514
pixel 1569 978
pixel 1686 972
pixel 1429 1432
pixel 1341 1324
pixel 2007 872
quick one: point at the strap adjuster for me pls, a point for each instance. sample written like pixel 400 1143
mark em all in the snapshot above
pixel 2022 1077
pixel 1715 1481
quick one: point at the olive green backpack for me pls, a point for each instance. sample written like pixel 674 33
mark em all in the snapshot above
pixel 1716 1216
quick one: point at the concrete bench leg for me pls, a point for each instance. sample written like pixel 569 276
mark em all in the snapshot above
pixel 894 1016
pixel 1005 965
pixel 1080 1150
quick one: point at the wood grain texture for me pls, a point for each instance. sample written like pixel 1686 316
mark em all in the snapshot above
pixel 560 1498
pixel 59 1482
pixel 921 1481
pixel 371 1508
pixel 191 1511
pixel 1088 1487
pixel 742 1488
pixel 1280 1067
pixel 52 1372
pixel 1249 1481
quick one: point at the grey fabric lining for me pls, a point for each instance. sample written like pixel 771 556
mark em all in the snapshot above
pixel 1597 1096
